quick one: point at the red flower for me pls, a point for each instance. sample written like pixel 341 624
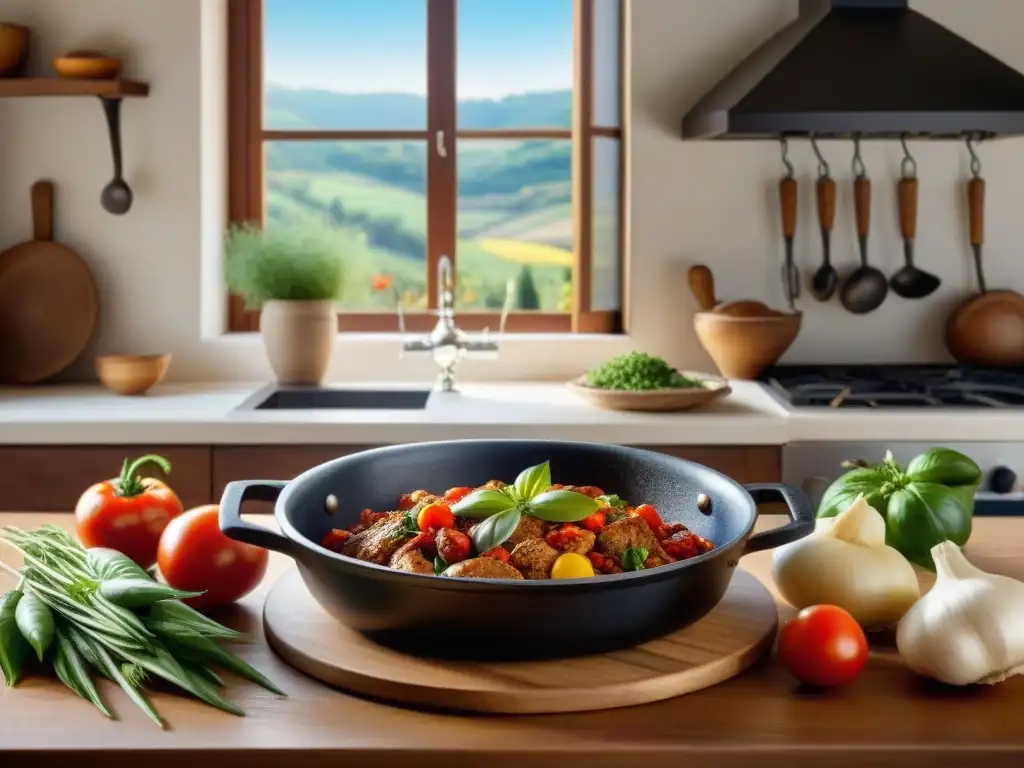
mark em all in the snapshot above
pixel 381 282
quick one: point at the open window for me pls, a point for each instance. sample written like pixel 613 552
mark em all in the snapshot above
pixel 486 130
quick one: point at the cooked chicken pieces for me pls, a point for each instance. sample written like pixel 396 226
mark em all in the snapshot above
pixel 581 544
pixel 534 558
pixel 409 558
pixel 628 532
pixel 378 542
pixel 483 568
pixel 529 528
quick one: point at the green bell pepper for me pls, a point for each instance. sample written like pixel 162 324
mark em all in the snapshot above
pixel 932 501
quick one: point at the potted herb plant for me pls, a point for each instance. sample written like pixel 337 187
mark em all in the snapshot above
pixel 294 275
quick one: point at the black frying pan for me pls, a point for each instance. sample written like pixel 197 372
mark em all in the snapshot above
pixel 486 618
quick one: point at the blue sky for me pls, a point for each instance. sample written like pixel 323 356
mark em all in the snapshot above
pixel 360 46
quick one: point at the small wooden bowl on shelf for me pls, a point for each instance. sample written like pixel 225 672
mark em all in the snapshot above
pixel 87 65
pixel 662 400
pixel 132 374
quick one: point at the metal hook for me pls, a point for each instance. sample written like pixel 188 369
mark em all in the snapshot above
pixel 909 165
pixel 858 165
pixel 975 160
pixel 785 157
pixel 823 167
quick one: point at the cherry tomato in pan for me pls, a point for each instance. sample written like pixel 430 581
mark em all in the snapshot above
pixel 498 553
pixel 649 514
pixel 595 522
pixel 457 494
pixel 453 546
pixel 434 517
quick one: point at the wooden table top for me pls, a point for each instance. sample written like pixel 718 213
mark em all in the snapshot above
pixel 888 717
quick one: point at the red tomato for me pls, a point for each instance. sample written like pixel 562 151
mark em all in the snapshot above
pixel 595 522
pixel 129 513
pixel 455 495
pixel 405 502
pixel 498 553
pixel 452 545
pixel 195 556
pixel 823 646
pixel 335 539
pixel 650 515
pixel 434 517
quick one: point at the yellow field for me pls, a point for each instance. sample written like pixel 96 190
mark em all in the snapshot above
pixel 527 253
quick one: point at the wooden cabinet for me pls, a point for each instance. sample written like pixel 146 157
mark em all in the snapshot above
pixel 51 478
pixel 44 478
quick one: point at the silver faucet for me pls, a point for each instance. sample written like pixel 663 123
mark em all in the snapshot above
pixel 446 343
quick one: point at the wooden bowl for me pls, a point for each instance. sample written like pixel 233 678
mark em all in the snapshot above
pixel 744 347
pixel 662 400
pixel 13 47
pixel 132 374
pixel 87 65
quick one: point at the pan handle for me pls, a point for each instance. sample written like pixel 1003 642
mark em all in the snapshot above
pixel 230 517
pixel 801 515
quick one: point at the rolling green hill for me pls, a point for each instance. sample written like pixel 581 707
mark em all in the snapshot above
pixel 514 205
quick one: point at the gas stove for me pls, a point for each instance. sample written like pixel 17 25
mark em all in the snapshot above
pixel 887 386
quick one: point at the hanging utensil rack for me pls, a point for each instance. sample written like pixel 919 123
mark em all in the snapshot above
pixel 109 92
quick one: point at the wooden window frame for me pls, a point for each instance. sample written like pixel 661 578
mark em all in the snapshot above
pixel 247 136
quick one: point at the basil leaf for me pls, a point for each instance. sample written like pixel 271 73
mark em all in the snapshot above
pixel 439 566
pixel 139 593
pixel 13 647
pixel 562 506
pixel 35 622
pixel 633 558
pixel 613 501
pixel 480 504
pixel 533 481
pixel 495 529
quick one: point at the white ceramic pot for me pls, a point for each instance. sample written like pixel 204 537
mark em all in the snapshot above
pixel 299 338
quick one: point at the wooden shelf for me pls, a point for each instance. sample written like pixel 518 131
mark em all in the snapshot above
pixel 59 86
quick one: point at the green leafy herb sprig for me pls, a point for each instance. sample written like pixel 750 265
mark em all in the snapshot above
pixel 95 611
pixel 633 558
pixel 638 371
pixel 501 510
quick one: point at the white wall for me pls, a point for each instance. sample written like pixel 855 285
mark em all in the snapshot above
pixel 691 201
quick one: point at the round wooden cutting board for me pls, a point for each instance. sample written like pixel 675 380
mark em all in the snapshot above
pixel 722 644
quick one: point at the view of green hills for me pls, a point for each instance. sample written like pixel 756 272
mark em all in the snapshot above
pixel 514 197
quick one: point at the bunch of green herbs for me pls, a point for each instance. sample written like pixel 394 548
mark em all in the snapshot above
pixel 86 612
pixel 284 263
pixel 638 372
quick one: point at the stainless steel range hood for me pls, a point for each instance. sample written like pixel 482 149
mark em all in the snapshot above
pixel 871 67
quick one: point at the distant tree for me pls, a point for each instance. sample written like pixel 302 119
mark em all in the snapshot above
pixel 527 296
pixel 336 212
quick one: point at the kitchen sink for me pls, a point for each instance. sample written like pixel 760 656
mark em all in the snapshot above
pixel 286 399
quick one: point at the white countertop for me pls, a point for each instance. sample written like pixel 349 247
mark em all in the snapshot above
pixel 209 414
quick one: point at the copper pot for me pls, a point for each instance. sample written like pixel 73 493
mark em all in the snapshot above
pixel 988 328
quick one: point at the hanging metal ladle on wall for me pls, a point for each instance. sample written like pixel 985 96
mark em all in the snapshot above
pixel 910 282
pixel 825 279
pixel 866 289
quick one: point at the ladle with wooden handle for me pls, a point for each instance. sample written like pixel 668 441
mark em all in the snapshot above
pixel 823 284
pixel 866 289
pixel 910 282
pixel 790 273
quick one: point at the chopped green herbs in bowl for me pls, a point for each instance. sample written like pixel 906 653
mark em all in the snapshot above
pixel 638 381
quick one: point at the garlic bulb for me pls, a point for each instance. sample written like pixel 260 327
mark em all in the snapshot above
pixel 969 628
pixel 845 562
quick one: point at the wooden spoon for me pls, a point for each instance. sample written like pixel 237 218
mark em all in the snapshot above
pixel 702 285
